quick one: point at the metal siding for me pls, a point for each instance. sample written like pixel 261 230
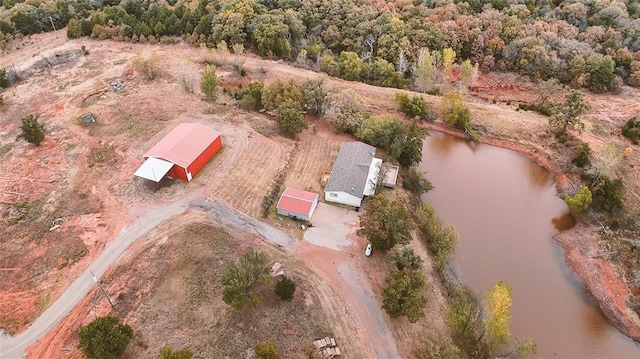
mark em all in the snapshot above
pixel 343 198
pixel 206 155
pixel 292 214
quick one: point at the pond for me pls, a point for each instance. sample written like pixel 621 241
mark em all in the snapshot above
pixel 506 209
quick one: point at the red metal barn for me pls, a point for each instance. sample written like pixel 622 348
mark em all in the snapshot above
pixel 182 153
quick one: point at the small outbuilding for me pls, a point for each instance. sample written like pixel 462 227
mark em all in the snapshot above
pixel 182 153
pixel 297 203
pixel 390 175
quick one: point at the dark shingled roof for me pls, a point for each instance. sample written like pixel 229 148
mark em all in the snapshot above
pixel 351 169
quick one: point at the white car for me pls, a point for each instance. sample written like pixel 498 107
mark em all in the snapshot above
pixel 367 252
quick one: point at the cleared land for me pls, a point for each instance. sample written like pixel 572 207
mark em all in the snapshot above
pixel 83 176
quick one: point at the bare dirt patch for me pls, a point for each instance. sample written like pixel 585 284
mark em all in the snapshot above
pixel 97 201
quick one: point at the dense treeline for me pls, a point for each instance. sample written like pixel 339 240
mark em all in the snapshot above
pixel 591 43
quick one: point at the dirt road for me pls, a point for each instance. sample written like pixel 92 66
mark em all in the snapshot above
pixel 14 347
pixel 328 249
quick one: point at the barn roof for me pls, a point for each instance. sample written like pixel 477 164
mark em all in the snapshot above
pixel 352 168
pixel 297 201
pixel 184 143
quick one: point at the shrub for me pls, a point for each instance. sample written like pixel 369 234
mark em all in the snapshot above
pixel 104 338
pixel 251 97
pixel 543 110
pixel 285 288
pixel 74 29
pixel 414 107
pixel 32 130
pixel 168 353
pixel 456 113
pixel 147 65
pixel 290 119
pixel 209 83
pixel 582 155
pixel 580 201
pixel 606 193
pixel 407 259
pixel 4 81
pixel 631 130
pixel 266 351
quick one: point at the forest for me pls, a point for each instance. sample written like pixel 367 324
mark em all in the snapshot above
pixel 583 43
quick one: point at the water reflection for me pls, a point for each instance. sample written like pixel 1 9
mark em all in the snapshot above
pixel 506 210
pixel 538 175
pixel 564 222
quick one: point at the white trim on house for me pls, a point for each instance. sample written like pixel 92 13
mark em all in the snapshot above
pixel 372 177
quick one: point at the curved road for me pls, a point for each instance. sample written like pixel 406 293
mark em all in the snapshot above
pixel 14 347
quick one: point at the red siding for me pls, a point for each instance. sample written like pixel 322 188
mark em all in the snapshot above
pixel 204 157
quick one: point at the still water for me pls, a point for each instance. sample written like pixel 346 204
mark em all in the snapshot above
pixel 506 209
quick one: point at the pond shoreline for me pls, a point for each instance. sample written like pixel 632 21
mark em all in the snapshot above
pixel 579 244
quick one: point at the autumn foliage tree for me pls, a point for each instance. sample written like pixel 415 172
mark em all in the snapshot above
pixel 385 223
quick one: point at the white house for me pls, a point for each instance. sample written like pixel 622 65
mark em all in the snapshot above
pixel 354 174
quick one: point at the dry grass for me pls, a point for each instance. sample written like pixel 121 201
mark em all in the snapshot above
pixel 173 296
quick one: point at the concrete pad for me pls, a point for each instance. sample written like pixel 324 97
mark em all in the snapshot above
pixel 332 226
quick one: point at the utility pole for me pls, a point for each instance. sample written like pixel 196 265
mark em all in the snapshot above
pixel 52 25
pixel 95 279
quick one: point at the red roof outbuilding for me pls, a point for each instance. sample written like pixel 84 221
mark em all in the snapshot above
pixel 297 203
pixel 188 147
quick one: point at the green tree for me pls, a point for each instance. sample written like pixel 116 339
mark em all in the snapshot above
pixel 407 258
pixel 251 97
pixel 403 294
pixel 290 118
pixel 351 65
pixel 385 223
pixel 456 113
pixel 266 351
pixel 32 130
pixel 285 288
pixel 580 201
pixel 209 83
pixel 168 353
pixel 415 182
pixel 601 75
pixel 441 239
pixel 416 107
pixel 314 93
pixel 104 338
pixel 271 34
pixel 74 29
pixel 408 148
pixel 631 130
pixel 568 114
pixel 240 278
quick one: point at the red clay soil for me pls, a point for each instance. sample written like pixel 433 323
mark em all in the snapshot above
pixel 580 246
